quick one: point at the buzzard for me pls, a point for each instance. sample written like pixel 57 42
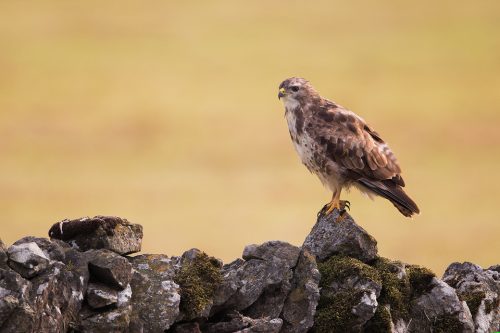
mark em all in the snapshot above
pixel 340 148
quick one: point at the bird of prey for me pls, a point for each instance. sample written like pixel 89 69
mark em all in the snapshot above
pixel 341 149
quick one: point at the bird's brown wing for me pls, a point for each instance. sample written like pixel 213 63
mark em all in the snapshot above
pixel 364 156
pixel 350 142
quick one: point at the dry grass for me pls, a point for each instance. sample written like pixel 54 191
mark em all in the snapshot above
pixel 166 114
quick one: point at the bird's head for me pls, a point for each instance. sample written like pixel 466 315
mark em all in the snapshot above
pixel 296 90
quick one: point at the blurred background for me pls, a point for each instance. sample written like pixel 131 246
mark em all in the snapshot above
pixel 166 113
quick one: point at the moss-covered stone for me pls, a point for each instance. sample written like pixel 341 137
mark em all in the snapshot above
pixel 396 290
pixel 381 321
pixel 198 278
pixel 337 268
pixel 447 324
pixel 420 279
pixel 473 300
pixel 334 311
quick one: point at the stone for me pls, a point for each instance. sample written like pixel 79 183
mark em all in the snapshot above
pixel 3 255
pixel 109 268
pixel 49 301
pixel 187 328
pixel 349 292
pixel 300 304
pixel 243 324
pixel 114 321
pixel 100 295
pixel 198 277
pixel 27 259
pixel 260 284
pixel 230 283
pixel 100 232
pixel 7 305
pixel 480 289
pixel 440 310
pixel 155 295
pixel 330 237
pixel 284 256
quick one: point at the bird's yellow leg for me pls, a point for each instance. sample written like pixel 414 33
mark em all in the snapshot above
pixel 334 204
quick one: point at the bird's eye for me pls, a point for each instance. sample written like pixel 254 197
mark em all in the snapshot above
pixel 294 88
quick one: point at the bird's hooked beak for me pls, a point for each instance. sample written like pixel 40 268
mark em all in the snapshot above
pixel 281 93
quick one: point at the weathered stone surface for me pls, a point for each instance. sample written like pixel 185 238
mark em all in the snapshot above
pixel 109 268
pixel 242 324
pixel 187 328
pixel 274 288
pixel 100 295
pixel 300 305
pixel 330 237
pixel 480 289
pixel 440 310
pixel 114 321
pixel 3 255
pixel 261 283
pixel 48 302
pixel 155 295
pixel 100 232
pixel 27 259
pixel 282 258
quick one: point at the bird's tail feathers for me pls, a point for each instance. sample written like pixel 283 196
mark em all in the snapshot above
pixel 394 193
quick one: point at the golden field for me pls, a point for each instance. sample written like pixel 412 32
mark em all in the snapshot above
pixel 166 113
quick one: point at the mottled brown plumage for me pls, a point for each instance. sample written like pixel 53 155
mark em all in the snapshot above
pixel 340 148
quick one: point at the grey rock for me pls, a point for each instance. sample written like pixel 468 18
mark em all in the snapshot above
pixel 109 268
pixel 114 321
pixel 3 255
pixel 440 310
pixel 155 295
pixel 243 324
pixel 13 286
pixel 50 300
pixel 229 285
pixel 495 268
pixel 261 283
pixel 300 305
pixel 480 289
pixel 283 258
pixel 7 305
pixel 27 259
pixel 100 232
pixel 52 249
pixel 187 328
pixel 100 295
pixel 330 237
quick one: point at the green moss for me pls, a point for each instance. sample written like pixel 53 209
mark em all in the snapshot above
pixel 198 279
pixel 334 311
pixel 334 314
pixel 380 322
pixel 337 268
pixel 420 279
pixel 473 300
pixel 396 291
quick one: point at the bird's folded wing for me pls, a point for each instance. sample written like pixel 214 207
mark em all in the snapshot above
pixel 350 142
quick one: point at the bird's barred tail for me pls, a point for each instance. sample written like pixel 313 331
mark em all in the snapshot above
pixel 394 193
